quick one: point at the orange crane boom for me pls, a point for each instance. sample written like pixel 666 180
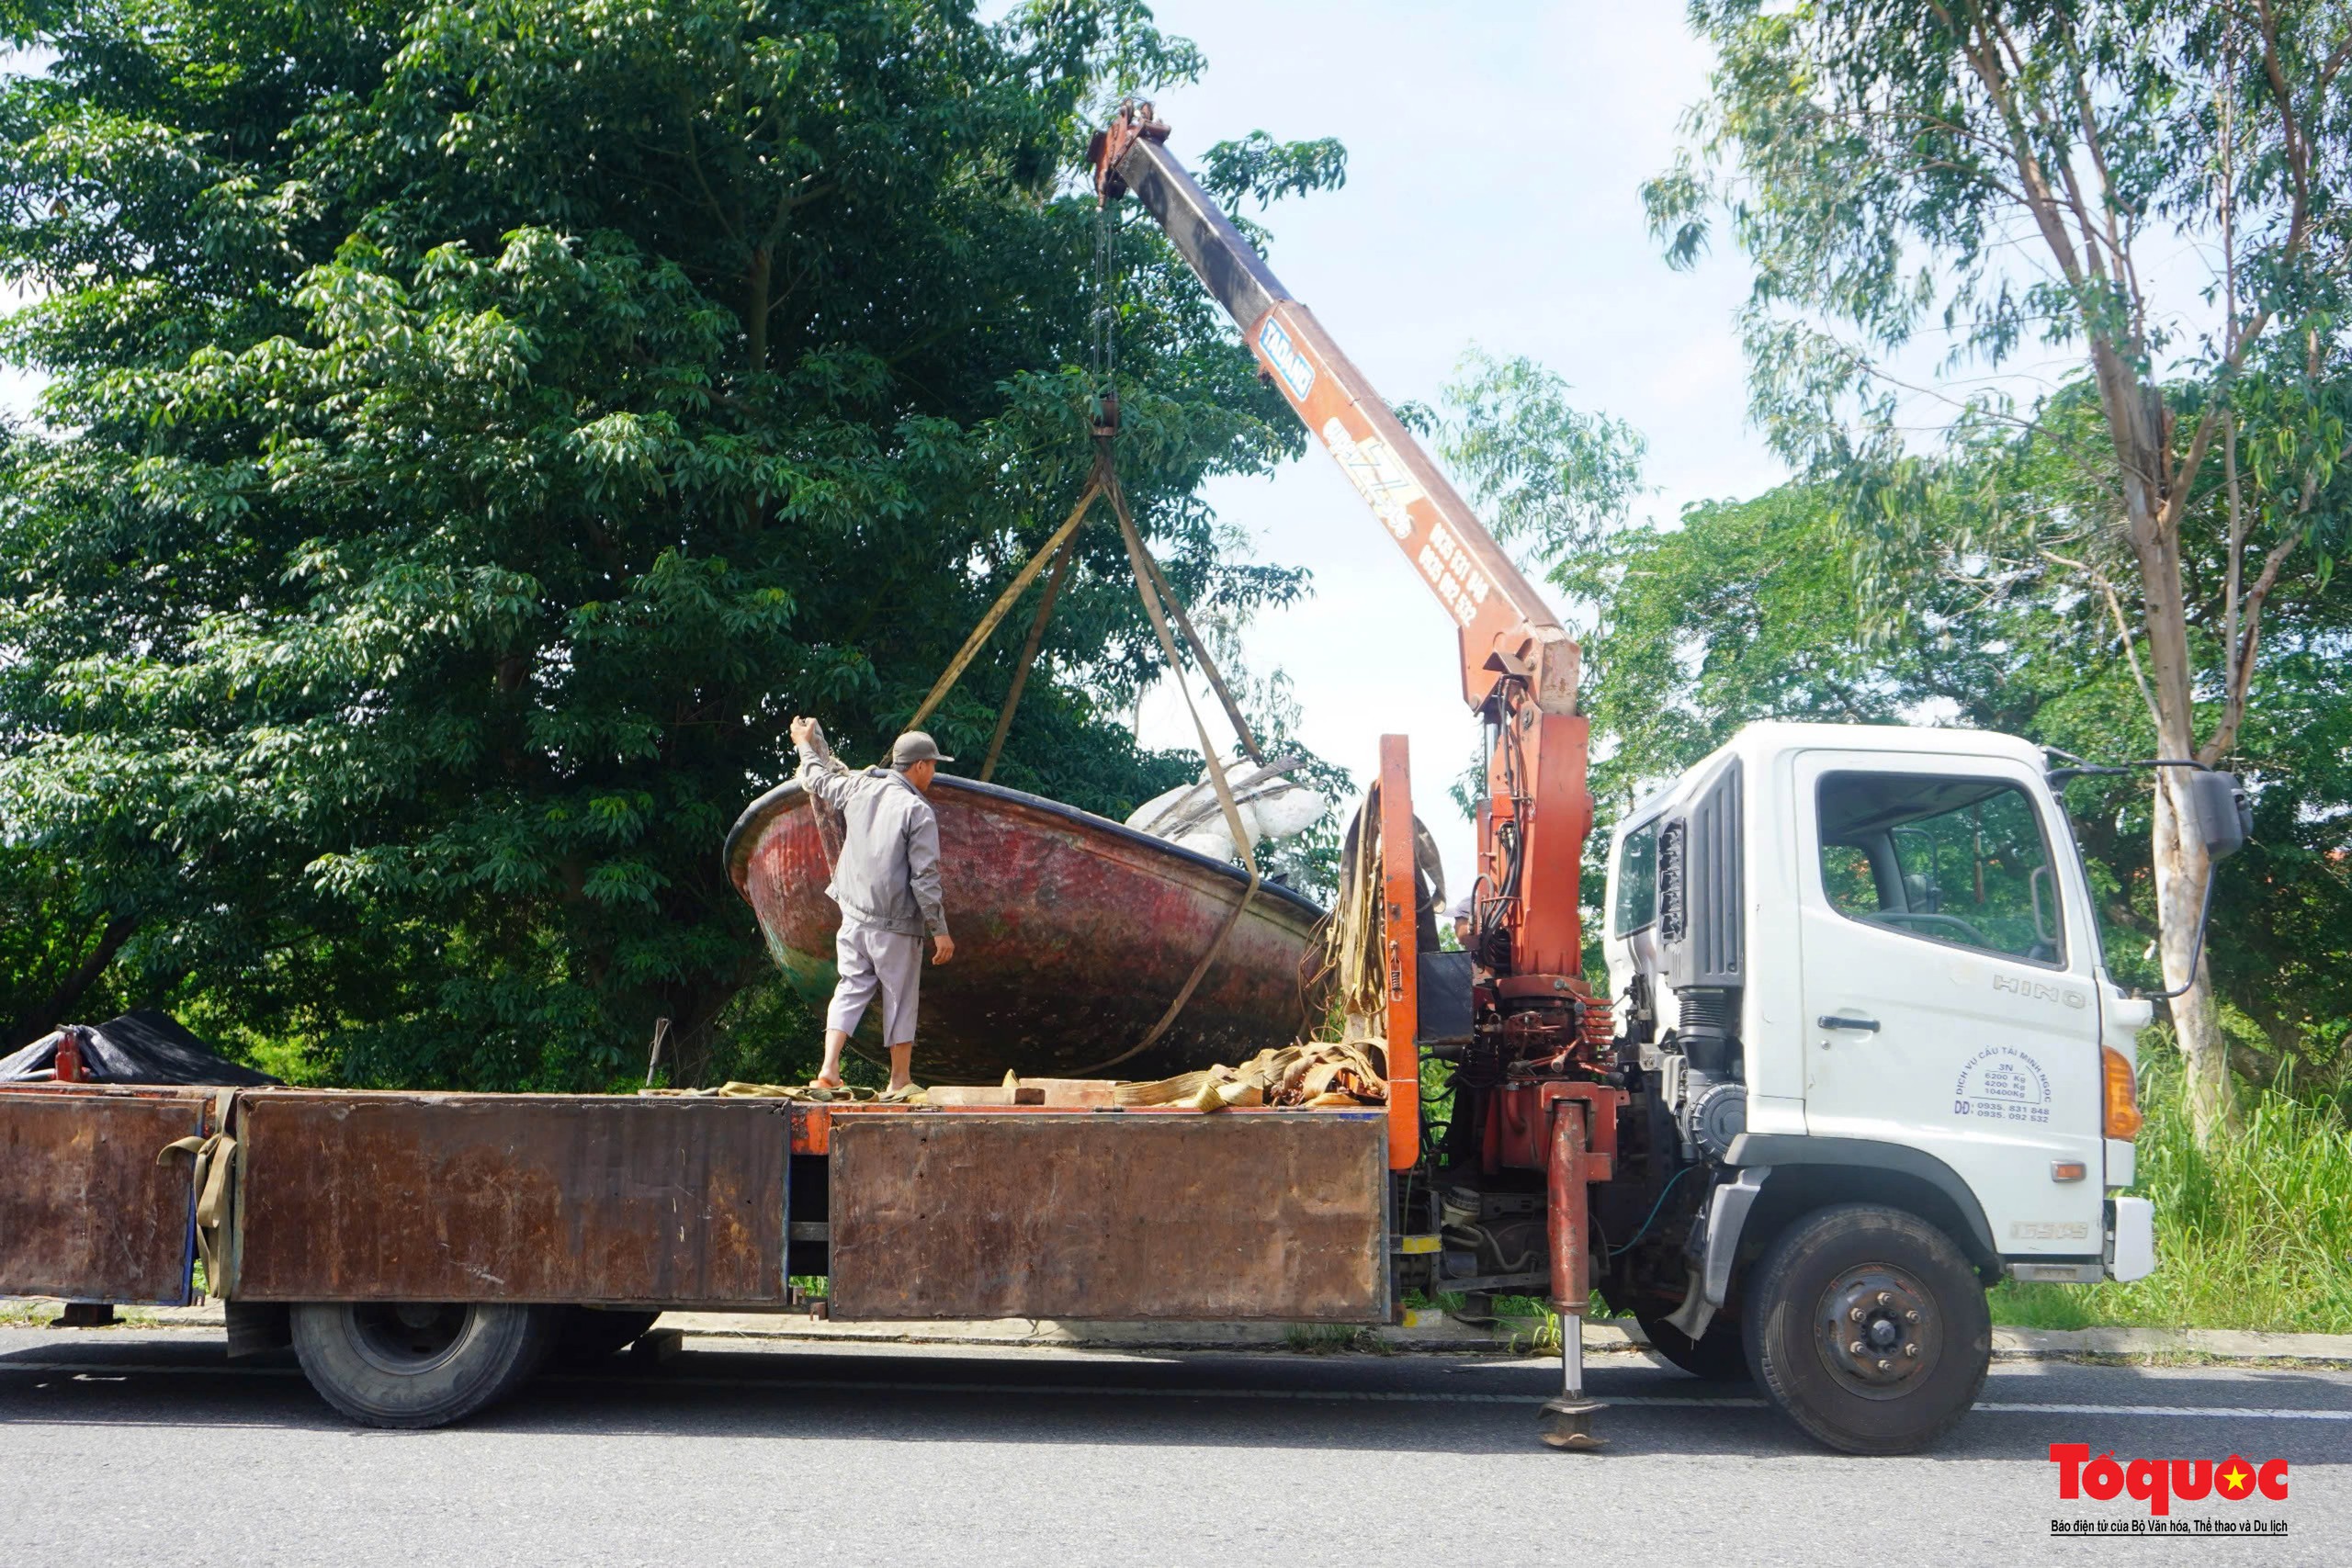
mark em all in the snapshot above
pixel 1519 666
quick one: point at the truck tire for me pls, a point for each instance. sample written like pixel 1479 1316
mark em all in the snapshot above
pixel 1720 1355
pixel 1867 1328
pixel 585 1335
pixel 419 1363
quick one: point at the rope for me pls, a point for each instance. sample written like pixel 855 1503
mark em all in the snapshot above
pixel 1021 581
pixel 1140 560
pixel 1028 656
pixel 1352 937
pixel 1159 599
pixel 216 1159
pixel 1201 657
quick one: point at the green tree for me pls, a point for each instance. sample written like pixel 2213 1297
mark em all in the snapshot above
pixel 1551 477
pixel 474 431
pixel 2158 188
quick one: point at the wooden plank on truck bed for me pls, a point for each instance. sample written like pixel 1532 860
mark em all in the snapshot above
pixel 1273 1215
pixel 86 1211
pixel 522 1198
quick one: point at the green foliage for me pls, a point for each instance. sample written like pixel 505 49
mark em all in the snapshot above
pixel 1547 475
pixel 50 940
pixel 1983 173
pixel 473 433
pixel 1744 610
pixel 2255 1233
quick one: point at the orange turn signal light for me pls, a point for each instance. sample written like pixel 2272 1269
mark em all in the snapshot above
pixel 2123 1118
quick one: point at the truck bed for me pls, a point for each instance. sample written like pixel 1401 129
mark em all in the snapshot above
pixel 655 1201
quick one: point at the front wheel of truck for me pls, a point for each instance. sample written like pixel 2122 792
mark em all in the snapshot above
pixel 418 1363
pixel 1867 1327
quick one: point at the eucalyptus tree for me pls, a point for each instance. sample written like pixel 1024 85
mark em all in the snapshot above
pixel 2159 191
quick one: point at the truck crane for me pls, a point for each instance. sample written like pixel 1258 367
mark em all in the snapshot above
pixel 1865 1058
pixel 1858 1058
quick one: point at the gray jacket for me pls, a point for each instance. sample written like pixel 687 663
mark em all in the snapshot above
pixel 887 876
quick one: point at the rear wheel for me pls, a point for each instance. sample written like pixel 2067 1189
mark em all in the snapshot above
pixel 1867 1327
pixel 1719 1355
pixel 418 1363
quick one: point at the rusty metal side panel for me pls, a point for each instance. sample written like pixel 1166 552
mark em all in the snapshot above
pixel 454 1198
pixel 1127 1217
pixel 85 1209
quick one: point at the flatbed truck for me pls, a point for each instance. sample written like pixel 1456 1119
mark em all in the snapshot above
pixel 1860 1058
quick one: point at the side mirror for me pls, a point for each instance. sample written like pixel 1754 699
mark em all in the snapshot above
pixel 2223 815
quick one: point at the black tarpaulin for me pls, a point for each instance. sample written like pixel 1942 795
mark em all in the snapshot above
pixel 145 1046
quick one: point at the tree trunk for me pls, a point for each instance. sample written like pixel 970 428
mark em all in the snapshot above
pixel 694 1010
pixel 2183 870
pixel 74 985
pixel 757 281
pixel 2136 419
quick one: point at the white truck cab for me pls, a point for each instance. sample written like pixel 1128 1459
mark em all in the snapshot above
pixel 1862 965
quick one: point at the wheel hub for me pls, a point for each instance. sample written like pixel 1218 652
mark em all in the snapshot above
pixel 407 1338
pixel 1877 1331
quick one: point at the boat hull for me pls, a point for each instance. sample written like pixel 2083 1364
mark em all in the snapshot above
pixel 1073 934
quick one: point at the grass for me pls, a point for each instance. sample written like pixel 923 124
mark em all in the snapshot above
pixel 2255 1233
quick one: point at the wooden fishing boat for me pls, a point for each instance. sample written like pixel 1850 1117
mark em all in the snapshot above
pixel 1073 934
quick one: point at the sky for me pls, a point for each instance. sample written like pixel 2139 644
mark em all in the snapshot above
pixel 1494 158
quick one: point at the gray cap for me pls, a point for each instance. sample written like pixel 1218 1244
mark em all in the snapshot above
pixel 913 747
pixel 1464 907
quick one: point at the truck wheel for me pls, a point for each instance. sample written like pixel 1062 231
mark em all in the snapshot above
pixel 1719 1355
pixel 418 1363
pixel 1868 1328
pixel 585 1335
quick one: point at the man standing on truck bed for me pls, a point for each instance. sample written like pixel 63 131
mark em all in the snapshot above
pixel 886 884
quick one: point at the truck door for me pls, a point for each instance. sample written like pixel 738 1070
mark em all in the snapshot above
pixel 1948 983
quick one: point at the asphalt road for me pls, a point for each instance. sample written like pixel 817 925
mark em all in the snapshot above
pixel 122 1446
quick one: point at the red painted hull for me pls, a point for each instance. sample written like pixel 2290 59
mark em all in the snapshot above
pixel 1072 936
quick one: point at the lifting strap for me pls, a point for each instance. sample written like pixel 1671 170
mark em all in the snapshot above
pixel 1028 655
pixel 1059 550
pixel 1159 602
pixel 1140 558
pixel 212 1185
pixel 1201 657
pixel 1019 585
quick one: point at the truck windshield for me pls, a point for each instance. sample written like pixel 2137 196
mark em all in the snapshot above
pixel 1960 861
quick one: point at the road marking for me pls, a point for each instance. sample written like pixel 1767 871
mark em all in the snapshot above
pixel 1130 1391
pixel 2241 1411
pixel 169 1369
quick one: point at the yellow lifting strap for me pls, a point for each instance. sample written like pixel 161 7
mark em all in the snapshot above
pixel 1140 560
pixel 1160 601
pixel 1058 551
pixel 216 1158
pixel 1019 585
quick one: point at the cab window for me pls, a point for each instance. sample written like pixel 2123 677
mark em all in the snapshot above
pixel 1636 906
pixel 1958 861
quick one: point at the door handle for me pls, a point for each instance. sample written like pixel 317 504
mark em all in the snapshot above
pixel 1831 1020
